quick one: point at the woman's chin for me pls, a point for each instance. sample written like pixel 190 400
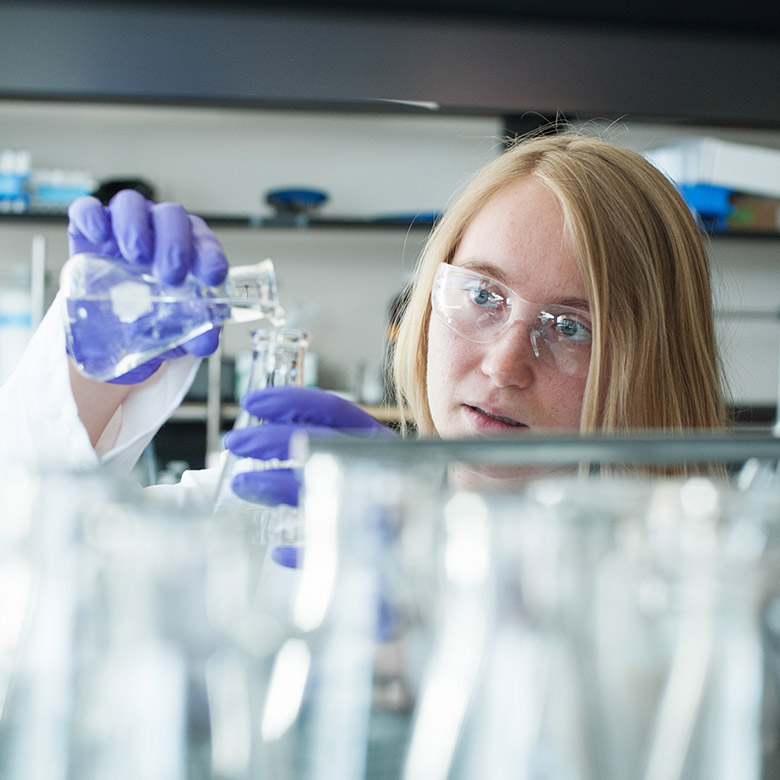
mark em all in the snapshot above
pixel 500 479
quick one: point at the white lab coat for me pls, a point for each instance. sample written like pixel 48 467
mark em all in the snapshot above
pixel 40 426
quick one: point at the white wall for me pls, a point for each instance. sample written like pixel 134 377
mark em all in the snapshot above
pixel 221 162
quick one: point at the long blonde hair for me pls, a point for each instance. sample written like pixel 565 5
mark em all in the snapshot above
pixel 641 256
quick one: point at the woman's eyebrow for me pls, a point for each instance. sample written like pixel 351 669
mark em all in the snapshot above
pixel 574 303
pixel 486 269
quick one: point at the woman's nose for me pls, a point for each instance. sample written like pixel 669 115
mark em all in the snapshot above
pixel 509 360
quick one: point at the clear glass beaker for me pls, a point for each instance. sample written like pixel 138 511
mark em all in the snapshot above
pixel 277 360
pixel 51 577
pixel 119 649
pixel 624 640
pixel 119 316
pixel 365 605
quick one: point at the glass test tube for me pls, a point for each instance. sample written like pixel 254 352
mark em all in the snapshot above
pixel 277 360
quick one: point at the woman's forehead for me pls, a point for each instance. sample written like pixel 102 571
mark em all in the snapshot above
pixel 519 238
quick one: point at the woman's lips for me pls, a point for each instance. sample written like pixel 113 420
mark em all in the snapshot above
pixel 492 422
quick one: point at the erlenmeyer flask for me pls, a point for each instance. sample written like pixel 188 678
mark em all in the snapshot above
pixel 277 360
pixel 119 316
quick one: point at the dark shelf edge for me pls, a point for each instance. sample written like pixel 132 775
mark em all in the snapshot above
pixel 250 221
pixel 261 222
pixel 763 415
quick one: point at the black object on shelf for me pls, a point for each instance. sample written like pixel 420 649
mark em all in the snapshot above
pixel 181 440
pixel 108 188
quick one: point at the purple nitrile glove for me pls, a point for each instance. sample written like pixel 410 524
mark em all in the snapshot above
pixel 284 411
pixel 162 236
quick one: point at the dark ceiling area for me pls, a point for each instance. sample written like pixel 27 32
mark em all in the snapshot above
pixel 697 61
pixel 759 17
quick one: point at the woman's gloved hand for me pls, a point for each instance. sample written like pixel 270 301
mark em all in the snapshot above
pixel 285 410
pixel 161 236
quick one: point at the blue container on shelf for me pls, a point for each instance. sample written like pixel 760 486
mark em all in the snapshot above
pixel 710 203
pixel 298 200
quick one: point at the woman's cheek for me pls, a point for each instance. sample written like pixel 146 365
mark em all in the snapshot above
pixel 449 355
pixel 452 374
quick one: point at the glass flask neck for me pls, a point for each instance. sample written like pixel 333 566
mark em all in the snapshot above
pixel 253 286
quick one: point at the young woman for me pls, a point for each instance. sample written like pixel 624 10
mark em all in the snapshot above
pixel 571 221
pixel 567 288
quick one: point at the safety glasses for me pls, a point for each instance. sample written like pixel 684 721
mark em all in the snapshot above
pixel 480 309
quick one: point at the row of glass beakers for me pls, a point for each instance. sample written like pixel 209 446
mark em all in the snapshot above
pixel 586 628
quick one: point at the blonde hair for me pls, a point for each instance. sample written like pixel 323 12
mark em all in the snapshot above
pixel 640 253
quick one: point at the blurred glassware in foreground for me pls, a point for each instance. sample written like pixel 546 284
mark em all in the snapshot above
pixel 596 628
pixel 54 581
pixel 133 642
pixel 119 316
pixel 626 640
pixel 370 532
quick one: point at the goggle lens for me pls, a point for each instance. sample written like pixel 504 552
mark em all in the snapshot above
pixel 479 309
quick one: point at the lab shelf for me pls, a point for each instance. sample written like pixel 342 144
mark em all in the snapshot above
pixel 264 222
pixel 303 222
pixel 197 411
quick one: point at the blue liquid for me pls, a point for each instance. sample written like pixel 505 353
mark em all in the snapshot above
pixel 104 346
pixel 120 316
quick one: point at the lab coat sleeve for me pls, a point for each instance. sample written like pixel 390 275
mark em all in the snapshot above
pixel 39 421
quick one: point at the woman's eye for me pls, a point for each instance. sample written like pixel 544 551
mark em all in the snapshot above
pixel 484 298
pixel 572 329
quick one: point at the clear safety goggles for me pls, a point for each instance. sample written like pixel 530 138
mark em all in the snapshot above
pixel 480 309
